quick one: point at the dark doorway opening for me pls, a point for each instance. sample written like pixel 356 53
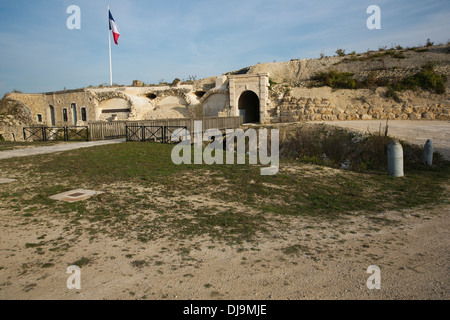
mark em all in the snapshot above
pixel 74 113
pixel 52 115
pixel 249 107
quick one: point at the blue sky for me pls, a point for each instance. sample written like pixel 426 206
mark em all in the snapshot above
pixel 203 38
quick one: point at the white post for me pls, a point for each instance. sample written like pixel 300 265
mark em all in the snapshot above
pixel 109 39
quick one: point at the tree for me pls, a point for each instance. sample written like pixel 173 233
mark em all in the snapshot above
pixel 340 52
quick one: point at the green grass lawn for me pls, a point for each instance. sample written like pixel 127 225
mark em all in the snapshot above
pixel 148 197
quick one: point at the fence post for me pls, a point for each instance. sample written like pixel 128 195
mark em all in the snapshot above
pixel 164 128
pixel 395 159
pixel 428 153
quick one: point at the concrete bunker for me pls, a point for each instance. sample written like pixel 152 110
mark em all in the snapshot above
pixel 215 103
pixel 116 108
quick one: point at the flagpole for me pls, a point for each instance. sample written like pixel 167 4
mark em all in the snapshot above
pixel 109 39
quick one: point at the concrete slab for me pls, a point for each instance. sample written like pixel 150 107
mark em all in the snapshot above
pixel 75 195
pixel 4 180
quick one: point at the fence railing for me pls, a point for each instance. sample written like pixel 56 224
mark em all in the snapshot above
pixel 144 133
pixel 56 133
pixel 118 129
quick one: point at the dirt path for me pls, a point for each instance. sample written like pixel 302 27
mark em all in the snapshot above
pixel 55 148
pixel 417 132
pixel 328 261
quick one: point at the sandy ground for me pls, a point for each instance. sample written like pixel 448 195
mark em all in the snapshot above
pixel 331 263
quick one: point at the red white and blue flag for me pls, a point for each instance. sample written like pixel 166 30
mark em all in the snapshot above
pixel 114 28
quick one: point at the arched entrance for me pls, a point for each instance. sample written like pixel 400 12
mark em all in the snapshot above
pixel 249 107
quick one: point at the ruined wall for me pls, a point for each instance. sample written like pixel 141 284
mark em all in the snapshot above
pixel 39 105
pixel 11 128
pixel 324 104
pixel 308 109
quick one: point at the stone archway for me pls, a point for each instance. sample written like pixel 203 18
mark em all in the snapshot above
pixel 258 84
pixel 249 107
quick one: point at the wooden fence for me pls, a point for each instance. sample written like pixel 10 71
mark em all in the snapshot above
pixel 107 130
pixel 117 129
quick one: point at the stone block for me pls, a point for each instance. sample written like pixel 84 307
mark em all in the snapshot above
pixel 350 111
pixel 429 116
pixel 390 116
pixel 303 117
pixel 397 110
pixel 329 117
pixel 436 110
pixel 415 116
pixel 443 116
pixel 352 117
pixel 401 116
pixel 309 111
pixel 326 111
pixel 408 109
pixel 337 111
pixel 420 109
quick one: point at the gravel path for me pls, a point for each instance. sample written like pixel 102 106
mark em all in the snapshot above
pixel 56 148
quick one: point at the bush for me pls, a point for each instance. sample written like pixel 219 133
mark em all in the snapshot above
pixel 340 52
pixel 335 79
pixel 427 79
pixel 391 93
pixel 342 148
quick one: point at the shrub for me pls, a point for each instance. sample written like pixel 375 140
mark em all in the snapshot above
pixel 427 79
pixel 335 79
pixel 339 147
pixel 399 55
pixel 391 93
pixel 340 52
pixel 271 82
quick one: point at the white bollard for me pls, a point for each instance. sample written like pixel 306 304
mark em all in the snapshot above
pixel 395 159
pixel 428 153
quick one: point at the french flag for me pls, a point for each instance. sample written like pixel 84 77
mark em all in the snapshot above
pixel 113 26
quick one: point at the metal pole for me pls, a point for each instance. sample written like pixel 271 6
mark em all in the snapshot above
pixel 109 40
